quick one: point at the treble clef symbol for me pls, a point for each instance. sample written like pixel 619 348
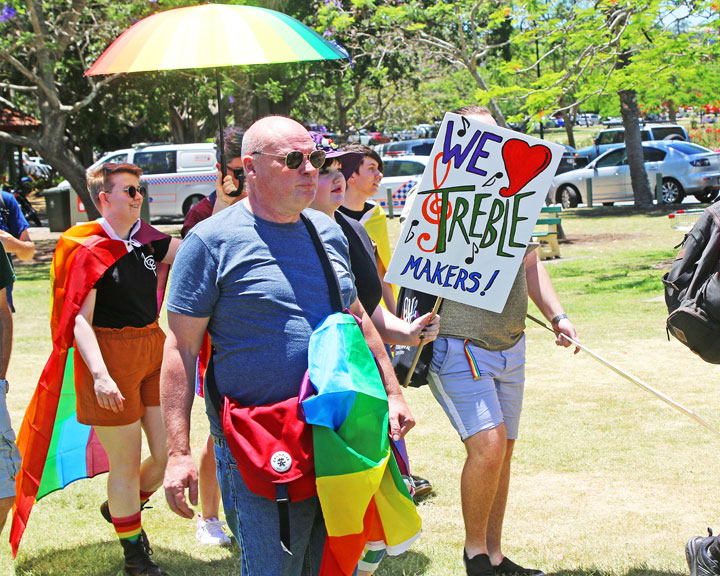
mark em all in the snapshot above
pixel 431 210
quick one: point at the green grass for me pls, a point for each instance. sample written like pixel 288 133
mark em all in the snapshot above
pixel 607 480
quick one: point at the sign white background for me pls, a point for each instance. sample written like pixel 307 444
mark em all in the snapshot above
pixel 467 241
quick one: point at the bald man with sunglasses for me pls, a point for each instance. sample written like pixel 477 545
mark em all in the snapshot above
pixel 252 277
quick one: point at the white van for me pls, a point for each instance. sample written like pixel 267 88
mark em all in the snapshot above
pixel 177 176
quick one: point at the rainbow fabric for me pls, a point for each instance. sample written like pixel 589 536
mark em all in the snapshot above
pixel 362 494
pixel 474 368
pixel 56 450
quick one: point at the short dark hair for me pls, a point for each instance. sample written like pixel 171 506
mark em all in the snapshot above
pixel 97 179
pixel 367 152
pixel 473 110
pixel 233 143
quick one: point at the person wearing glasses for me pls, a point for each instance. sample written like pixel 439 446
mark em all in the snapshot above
pixel 118 354
pixel 252 277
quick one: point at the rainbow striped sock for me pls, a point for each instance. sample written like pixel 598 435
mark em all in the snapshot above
pixel 128 528
pixel 144 497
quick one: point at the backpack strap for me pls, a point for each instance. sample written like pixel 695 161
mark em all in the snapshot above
pixel 330 276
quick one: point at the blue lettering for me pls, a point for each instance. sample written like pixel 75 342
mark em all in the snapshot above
pixel 480 153
pixel 425 270
pixel 462 276
pixel 475 277
pixel 438 274
pixel 413 264
pixel 450 275
pixel 456 151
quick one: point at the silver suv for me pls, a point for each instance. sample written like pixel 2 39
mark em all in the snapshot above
pixel 613 137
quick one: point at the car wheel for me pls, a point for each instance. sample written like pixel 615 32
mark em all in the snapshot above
pixel 707 196
pixel 568 197
pixel 672 192
pixel 190 201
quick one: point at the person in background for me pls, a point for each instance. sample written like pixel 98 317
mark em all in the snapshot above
pixel 362 185
pixel 209 527
pixel 14 234
pixel 9 455
pixel 339 166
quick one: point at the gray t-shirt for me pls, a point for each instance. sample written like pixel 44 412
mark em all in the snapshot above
pixel 262 286
pixel 488 330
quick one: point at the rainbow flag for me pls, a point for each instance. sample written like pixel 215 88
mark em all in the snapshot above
pixel 57 450
pixel 362 494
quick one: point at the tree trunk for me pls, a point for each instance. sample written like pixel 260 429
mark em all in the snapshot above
pixel 672 111
pixel 633 146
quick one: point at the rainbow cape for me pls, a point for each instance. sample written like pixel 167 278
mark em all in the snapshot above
pixel 363 497
pixel 57 450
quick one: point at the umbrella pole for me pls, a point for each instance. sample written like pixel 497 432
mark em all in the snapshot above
pixel 221 128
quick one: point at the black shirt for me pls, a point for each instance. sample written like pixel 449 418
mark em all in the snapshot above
pixel 127 292
pixel 362 262
pixel 356 214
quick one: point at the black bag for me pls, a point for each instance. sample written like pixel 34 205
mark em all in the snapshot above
pixel 412 304
pixel 692 288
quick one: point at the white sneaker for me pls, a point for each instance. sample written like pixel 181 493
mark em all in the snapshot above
pixel 211 533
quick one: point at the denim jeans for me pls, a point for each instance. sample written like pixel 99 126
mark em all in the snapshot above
pixel 254 522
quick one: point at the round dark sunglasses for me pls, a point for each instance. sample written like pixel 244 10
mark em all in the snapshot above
pixel 295 158
pixel 132 191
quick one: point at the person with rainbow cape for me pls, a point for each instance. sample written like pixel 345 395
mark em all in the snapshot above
pixel 107 345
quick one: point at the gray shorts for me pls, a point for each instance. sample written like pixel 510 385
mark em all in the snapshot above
pixel 476 405
pixel 9 455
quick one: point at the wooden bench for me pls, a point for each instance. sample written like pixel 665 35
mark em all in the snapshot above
pixel 546 232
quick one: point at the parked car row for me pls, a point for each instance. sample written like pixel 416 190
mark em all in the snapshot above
pixel 610 138
pixel 683 167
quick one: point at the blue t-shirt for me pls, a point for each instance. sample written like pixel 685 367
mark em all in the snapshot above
pixel 15 222
pixel 262 286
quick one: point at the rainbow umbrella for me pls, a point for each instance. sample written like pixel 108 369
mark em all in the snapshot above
pixel 213 36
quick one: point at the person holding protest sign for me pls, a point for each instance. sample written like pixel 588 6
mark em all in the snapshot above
pixel 228 191
pixel 477 373
pixel 254 278
pixel 362 185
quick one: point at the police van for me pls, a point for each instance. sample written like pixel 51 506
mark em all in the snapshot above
pixel 177 176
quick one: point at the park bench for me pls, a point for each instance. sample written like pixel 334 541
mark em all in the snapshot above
pixel 546 232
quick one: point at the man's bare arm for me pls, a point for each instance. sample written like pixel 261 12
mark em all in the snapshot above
pixel 6 333
pixel 185 335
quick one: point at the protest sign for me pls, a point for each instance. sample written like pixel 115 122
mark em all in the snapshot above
pixel 474 213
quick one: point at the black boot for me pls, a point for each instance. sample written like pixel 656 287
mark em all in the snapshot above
pixel 137 559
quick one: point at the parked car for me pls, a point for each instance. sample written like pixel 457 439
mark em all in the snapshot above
pixel 614 137
pixel 400 174
pixel 368 138
pixel 685 168
pixel 570 160
pixel 587 119
pixel 34 166
pixel 418 147
pixel 177 175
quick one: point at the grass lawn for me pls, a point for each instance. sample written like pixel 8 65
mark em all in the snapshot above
pixel 607 479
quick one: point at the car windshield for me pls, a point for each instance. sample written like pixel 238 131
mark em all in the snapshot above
pixel 689 148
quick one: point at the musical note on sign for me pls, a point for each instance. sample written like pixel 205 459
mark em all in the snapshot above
pixel 410 235
pixel 475 249
pixel 463 130
pixel 490 181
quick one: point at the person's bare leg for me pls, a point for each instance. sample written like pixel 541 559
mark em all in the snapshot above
pixel 209 487
pixel 5 507
pixel 152 469
pixel 479 483
pixel 123 446
pixel 497 513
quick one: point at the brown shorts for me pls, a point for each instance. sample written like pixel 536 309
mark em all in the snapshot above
pixel 133 357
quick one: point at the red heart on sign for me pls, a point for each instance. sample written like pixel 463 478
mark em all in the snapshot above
pixel 522 163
